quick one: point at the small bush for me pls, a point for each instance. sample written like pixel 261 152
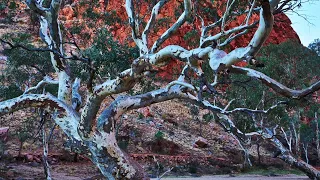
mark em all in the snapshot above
pixel 159 135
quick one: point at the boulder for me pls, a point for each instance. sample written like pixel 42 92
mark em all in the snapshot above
pixel 29 157
pixel 4 131
pixel 145 111
pixel 201 142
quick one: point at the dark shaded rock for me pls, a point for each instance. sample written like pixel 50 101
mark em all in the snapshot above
pixel 4 133
pixel 201 142
pixel 34 164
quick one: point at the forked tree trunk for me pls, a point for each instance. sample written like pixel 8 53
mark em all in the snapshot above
pixel 288 140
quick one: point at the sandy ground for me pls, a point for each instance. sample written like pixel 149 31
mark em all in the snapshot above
pixel 242 177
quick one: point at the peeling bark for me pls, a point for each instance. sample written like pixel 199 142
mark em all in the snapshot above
pixel 45 155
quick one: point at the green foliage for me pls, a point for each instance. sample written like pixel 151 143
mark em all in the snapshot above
pixel 211 13
pixel 193 167
pixel 289 63
pixel 3 6
pixel 194 110
pixel 92 16
pixel 123 144
pixel 315 46
pixel 108 56
pixel 12 6
pixel 140 116
pixel 77 29
pixel 10 91
pixel 23 68
pixel 207 117
pixel 307 133
pixel 26 130
pixel 159 135
pixel 162 22
pixel 192 38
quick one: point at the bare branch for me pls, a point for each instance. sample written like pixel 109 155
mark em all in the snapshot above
pixel 135 28
pixel 31 100
pixel 244 29
pixel 35 6
pixel 181 20
pixel 51 34
pixel 264 29
pixel 205 30
pixel 218 63
pixel 226 14
pixel 76 97
pixel 55 52
pixel 150 23
pixel 64 116
pixel 276 86
pixel 46 80
pixel 228 32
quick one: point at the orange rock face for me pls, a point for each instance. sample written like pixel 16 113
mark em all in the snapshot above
pixel 187 36
pixel 281 32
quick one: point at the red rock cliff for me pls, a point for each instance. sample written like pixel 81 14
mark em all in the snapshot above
pixel 72 15
pixel 281 32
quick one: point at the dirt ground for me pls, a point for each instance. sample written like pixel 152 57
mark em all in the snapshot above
pixel 241 177
pixel 61 171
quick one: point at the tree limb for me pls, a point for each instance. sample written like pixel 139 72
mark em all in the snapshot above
pixel 46 80
pixel 276 86
pixel 181 20
pixel 218 63
pixel 150 23
pixel 64 116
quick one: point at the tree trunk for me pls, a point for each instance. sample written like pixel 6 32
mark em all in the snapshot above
pixel 317 134
pixel 286 156
pixel 75 157
pixel 296 137
pixel 298 134
pixel 112 161
pixel 259 156
pixel 20 149
pixel 305 149
pixel 288 140
pixel 246 155
pixel 46 166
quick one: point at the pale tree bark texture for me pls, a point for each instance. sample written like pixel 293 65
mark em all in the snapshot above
pixel 95 133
